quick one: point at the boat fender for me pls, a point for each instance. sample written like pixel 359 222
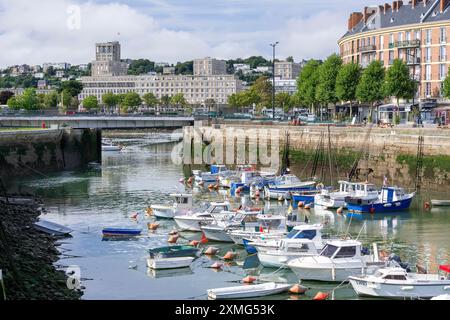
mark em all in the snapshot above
pixel 210 251
pixel 152 226
pixel 298 289
pixel 134 215
pixel 280 198
pixel 190 180
pixel 340 210
pixel 300 204
pixel 216 265
pixel 173 239
pixel 149 211
pixel 308 206
pixel 201 183
pixel 321 296
pixel 427 205
pixel 230 255
pixel 249 279
pixel 181 180
pixel 194 243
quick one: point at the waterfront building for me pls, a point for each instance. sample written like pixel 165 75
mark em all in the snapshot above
pixel 209 66
pixel 287 86
pixel 107 60
pixel 415 31
pixel 286 70
pixel 56 66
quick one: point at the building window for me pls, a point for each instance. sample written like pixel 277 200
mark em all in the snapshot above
pixel 400 36
pixel 442 53
pixel 391 56
pixel 428 72
pixel 428 37
pixel 443 35
pixel 391 39
pixel 442 71
pixel 408 35
pixel 428 55
pixel 381 42
pixel 428 89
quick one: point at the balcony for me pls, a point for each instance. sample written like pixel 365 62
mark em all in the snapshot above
pixel 405 44
pixel 368 48
pixel 412 61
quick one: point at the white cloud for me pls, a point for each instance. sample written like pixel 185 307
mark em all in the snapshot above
pixel 35 32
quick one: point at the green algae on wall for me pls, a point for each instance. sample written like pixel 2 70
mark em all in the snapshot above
pixel 430 163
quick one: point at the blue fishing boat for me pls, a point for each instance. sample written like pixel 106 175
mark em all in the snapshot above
pixel 390 199
pixel 249 248
pixel 121 232
pixel 307 196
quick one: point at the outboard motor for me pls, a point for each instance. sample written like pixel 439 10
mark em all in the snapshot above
pixel 396 261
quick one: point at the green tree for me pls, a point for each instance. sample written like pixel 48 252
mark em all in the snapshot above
pixel 72 86
pixel 398 83
pixel 141 66
pixel 165 101
pixel 29 99
pixel 179 100
pixel 150 100
pixel 370 86
pixel 326 88
pixel 13 103
pixel 307 83
pixel 51 100
pixel 131 101
pixel 347 82
pixel 90 103
pixel 283 100
pixel 110 100
pixel 290 59
pixel 262 89
pixel 66 99
pixel 446 86
pixel 210 104
pixel 185 67
pixel 233 100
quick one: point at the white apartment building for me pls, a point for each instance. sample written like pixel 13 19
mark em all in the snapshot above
pixel 107 60
pixel 195 89
pixel 56 66
pixel 209 66
pixel 287 70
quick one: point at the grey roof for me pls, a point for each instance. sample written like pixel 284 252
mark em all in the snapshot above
pixel 406 15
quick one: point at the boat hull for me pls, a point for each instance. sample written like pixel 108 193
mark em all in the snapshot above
pixel 112 232
pixel 191 224
pixel 244 292
pixel 400 205
pixel 169 263
pixel 216 234
pixel 399 291
pixel 277 259
pixel 327 274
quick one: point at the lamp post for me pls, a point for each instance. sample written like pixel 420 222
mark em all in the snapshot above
pixel 273 45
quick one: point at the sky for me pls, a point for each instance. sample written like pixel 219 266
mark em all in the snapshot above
pixel 35 32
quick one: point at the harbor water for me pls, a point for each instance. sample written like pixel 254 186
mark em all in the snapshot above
pixel 143 174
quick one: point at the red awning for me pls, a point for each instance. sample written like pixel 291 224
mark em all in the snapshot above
pixel 445 268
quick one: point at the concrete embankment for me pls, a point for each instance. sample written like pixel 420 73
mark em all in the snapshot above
pixel 390 152
pixel 39 151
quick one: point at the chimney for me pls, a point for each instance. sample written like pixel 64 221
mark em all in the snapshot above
pixel 354 19
pixel 413 3
pixel 443 4
pixel 386 7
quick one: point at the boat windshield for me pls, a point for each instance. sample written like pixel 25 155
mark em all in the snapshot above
pixel 304 234
pixel 329 250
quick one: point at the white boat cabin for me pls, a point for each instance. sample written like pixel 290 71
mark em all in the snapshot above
pixel 218 207
pixel 271 221
pixel 362 190
pixel 392 194
pixel 247 177
pixel 298 246
pixel 182 200
pixel 307 231
pixel 286 180
pixel 342 249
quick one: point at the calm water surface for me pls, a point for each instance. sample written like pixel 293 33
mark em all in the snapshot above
pixel 105 195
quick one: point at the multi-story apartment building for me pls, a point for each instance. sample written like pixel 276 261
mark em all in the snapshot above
pixel 56 66
pixel 195 89
pixel 415 31
pixel 286 70
pixel 209 66
pixel 107 60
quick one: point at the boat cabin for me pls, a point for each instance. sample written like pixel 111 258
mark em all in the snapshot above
pixel 341 249
pixel 307 231
pixel 391 194
pixel 218 168
pixel 249 176
pixel 182 200
pixel 286 179
pixel 218 207
pixel 362 189
pixel 298 246
pixel 392 274
pixel 270 221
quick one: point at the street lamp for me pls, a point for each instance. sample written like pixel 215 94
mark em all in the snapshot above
pixel 273 45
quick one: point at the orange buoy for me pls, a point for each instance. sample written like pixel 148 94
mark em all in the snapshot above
pixel 372 210
pixel 427 205
pixel 194 243
pixel 321 296
pixel 248 279
pixel 152 226
pixel 173 239
pixel 217 265
pixel 210 251
pixel 230 255
pixel 190 180
pixel 149 211
pixel 301 204
pixel 340 210
pixel 173 232
pixel 308 206
pixel 298 289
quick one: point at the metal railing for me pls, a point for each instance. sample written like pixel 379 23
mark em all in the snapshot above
pixel 411 61
pixel 368 48
pixel 405 44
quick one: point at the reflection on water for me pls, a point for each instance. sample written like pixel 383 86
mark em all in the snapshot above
pixel 143 174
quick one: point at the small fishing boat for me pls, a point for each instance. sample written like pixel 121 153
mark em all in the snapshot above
pixel 169 273
pixel 390 199
pixel 182 204
pixel 248 291
pixel 396 282
pixel 213 175
pixel 284 185
pixel 52 228
pixel 174 251
pixel 169 263
pixel 306 196
pixel 194 221
pixel 440 203
pixel 268 228
pixel 336 199
pixel 338 260
pixel 121 232
pixel 107 145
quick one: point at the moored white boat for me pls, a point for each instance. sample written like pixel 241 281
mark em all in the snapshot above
pixel 194 221
pixel 182 204
pixel 288 249
pixel 440 203
pixel 169 263
pixel 248 291
pixel 338 260
pixel 396 282
pixel 336 199
pixel 52 228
